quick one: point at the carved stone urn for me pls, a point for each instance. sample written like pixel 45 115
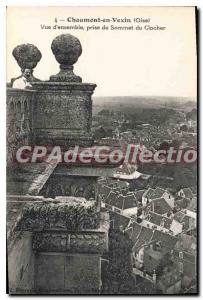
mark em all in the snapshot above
pixel 27 57
pixel 66 49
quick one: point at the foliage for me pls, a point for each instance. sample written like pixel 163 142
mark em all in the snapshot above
pixel 192 115
pixel 118 278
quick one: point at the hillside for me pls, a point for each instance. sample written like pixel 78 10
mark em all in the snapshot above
pixel 126 103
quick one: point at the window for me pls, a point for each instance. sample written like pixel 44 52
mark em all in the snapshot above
pixel 181 267
pixel 181 254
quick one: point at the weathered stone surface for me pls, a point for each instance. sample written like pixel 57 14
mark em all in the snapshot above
pixel 67 274
pixel 28 178
pixel 27 57
pixel 69 87
pixel 78 242
pixel 63 113
pixel 49 273
pixel 67 237
pixel 21 266
pixel 87 279
pixel 72 214
pixel 95 242
pixel 69 112
pixel 19 120
pixel 66 49
pixel 76 186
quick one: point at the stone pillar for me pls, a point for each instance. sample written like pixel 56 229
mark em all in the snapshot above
pixel 68 240
pixel 63 106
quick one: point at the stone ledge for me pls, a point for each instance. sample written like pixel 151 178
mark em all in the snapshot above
pixel 69 214
pixel 77 242
pixel 14 91
pixel 47 85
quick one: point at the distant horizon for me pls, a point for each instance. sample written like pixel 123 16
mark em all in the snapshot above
pixel 194 99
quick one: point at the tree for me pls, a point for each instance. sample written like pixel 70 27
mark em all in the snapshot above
pixel 118 278
pixel 192 115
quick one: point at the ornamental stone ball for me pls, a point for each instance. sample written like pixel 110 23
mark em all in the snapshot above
pixel 27 56
pixel 66 49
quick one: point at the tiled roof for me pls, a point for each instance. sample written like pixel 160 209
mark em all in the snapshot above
pixel 134 231
pixel 148 193
pixel 160 206
pixel 193 204
pixel 186 243
pixel 157 219
pixel 121 201
pixel 187 192
pixel 182 217
pixel 104 190
pixel 129 201
pixel 139 194
pixel 121 184
pixel 194 190
pixel 143 238
pixel 119 220
pixel 167 241
pixel 117 201
pixel 179 216
pixel 111 197
pixel 158 193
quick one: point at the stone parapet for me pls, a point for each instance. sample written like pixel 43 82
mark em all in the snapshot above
pixel 63 113
pixel 71 214
pixel 70 242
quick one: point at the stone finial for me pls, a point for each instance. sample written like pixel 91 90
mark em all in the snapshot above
pixel 27 57
pixel 66 49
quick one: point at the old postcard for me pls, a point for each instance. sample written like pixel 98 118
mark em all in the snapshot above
pixel 102 150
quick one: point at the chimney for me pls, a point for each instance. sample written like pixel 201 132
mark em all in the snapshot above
pixel 154 277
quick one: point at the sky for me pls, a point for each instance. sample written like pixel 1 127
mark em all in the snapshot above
pixel 120 62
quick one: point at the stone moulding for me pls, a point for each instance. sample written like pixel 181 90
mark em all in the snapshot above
pixel 72 214
pixel 68 86
pixel 13 91
pixel 77 242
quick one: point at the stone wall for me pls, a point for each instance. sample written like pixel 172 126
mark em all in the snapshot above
pixel 62 112
pixel 67 273
pixel 76 186
pixel 19 119
pixel 51 113
pixel 21 265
